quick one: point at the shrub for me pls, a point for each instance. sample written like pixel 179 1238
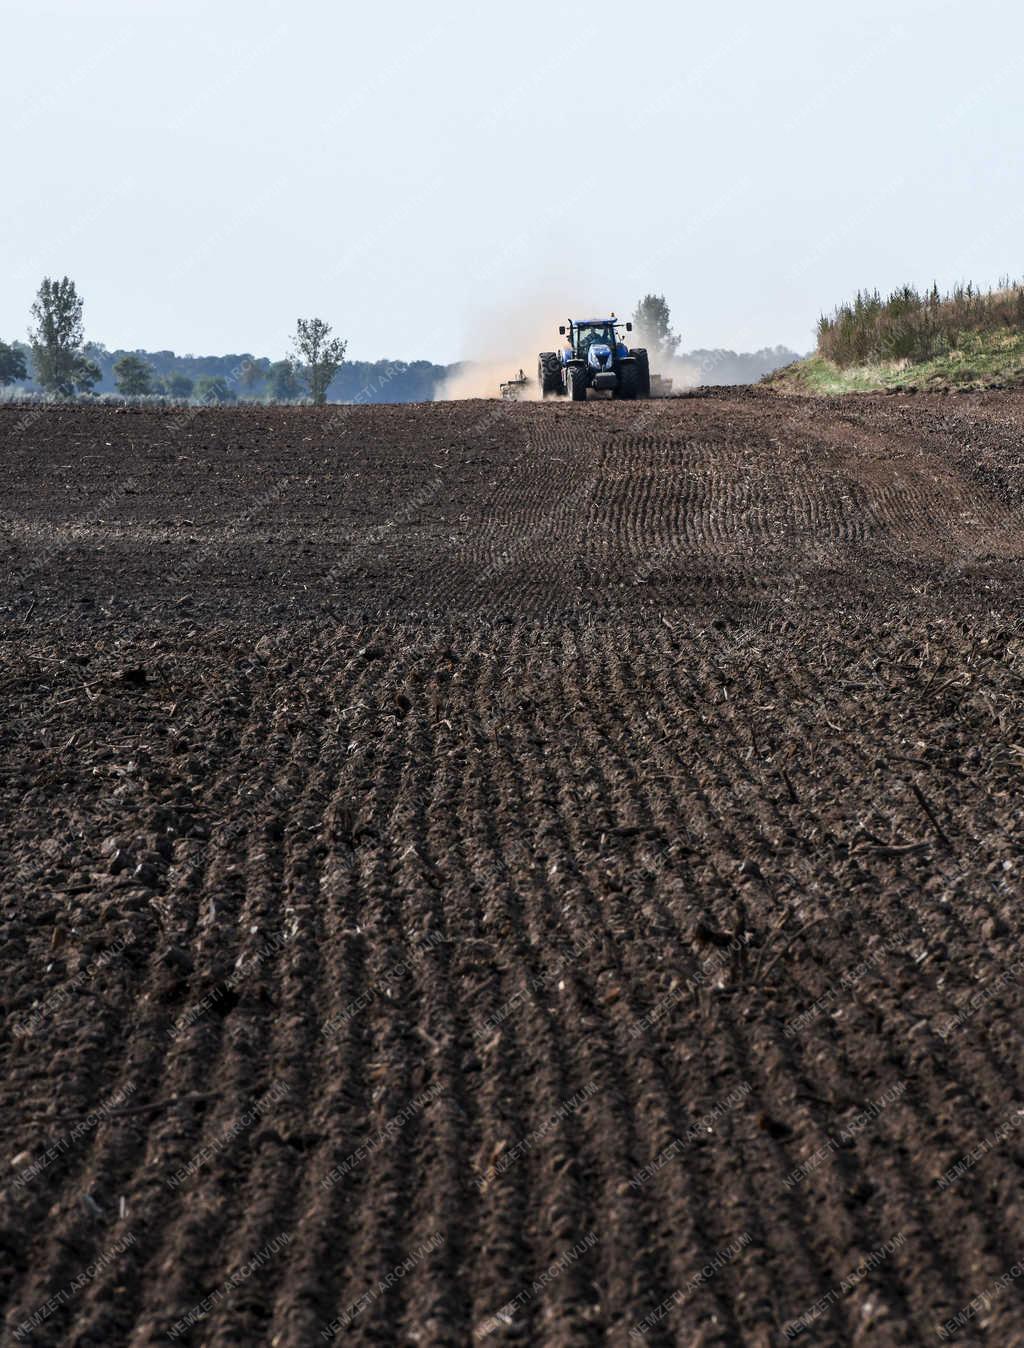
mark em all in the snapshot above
pixel 914 327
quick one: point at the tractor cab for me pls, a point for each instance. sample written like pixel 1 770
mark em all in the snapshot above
pixel 585 333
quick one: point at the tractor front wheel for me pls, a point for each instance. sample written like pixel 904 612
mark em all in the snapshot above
pixel 577 383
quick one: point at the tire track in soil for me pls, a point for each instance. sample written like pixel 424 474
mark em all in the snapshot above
pixel 754 1290
pixel 336 863
pixel 206 1057
pixel 587 986
pixel 287 1062
pixel 439 1301
pixel 555 835
pixel 112 1164
pixel 775 1103
pixel 655 1102
pixel 945 1277
pixel 432 1197
pixel 552 1191
pixel 510 1058
pixel 390 1230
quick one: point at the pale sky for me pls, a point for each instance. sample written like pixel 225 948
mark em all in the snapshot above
pixel 418 173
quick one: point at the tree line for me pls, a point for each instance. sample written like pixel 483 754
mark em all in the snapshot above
pixel 60 361
pixel 64 364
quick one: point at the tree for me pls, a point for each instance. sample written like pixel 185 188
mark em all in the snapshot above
pixel 58 361
pixel 318 354
pixel 12 364
pixel 179 386
pixel 134 376
pixel 283 382
pixel 653 323
pixel 252 373
pixel 87 373
pixel 214 389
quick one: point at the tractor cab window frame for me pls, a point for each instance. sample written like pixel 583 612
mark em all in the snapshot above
pixel 603 332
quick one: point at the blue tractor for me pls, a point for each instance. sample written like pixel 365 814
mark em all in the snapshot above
pixel 594 355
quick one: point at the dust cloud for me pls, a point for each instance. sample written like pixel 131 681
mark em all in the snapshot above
pixel 510 338
pixel 501 342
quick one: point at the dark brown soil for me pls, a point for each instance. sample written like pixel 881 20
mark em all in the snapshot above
pixel 502 873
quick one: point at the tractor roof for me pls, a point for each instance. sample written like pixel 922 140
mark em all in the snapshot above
pixel 593 322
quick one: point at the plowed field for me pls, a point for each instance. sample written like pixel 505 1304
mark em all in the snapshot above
pixel 489 873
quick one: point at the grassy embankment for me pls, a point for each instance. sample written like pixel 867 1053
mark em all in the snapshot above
pixel 968 339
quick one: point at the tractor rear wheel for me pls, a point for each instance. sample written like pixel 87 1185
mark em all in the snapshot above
pixel 628 381
pixel 577 383
pixel 549 373
pixel 643 372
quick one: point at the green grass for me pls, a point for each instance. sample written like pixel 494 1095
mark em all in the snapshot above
pixel 978 360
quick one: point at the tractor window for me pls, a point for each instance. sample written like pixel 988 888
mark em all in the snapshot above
pixel 587 336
